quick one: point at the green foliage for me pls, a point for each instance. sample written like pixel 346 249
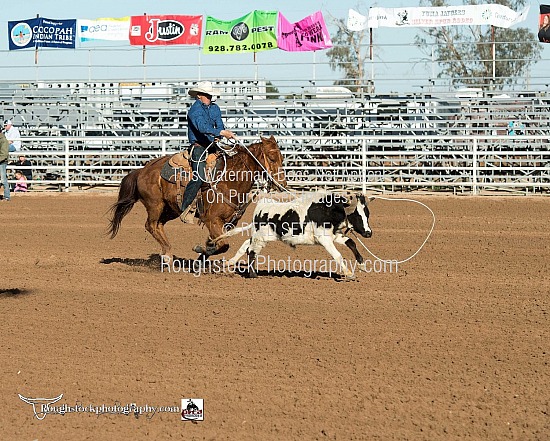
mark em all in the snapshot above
pixel 271 91
pixel 348 54
pixel 465 53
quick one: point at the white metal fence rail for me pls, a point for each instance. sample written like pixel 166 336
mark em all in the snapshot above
pixel 385 163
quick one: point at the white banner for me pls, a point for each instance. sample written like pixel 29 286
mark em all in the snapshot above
pixel 356 21
pixel 496 15
pixel 104 29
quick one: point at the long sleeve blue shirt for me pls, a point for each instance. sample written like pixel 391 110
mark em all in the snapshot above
pixel 204 123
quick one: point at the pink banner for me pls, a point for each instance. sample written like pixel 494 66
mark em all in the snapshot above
pixel 309 34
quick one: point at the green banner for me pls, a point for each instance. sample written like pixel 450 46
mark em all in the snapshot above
pixel 254 32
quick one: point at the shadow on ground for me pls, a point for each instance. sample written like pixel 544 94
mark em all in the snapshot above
pixel 198 267
pixel 13 292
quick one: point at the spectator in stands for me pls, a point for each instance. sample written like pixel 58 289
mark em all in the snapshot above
pixel 544 30
pixel 4 153
pixel 13 135
pixel 21 184
pixel 205 126
pixel 27 172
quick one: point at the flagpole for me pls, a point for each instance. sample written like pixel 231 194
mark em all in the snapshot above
pixel 143 49
pixel 371 55
pixel 314 63
pixel 36 47
pixel 494 53
pixel 200 64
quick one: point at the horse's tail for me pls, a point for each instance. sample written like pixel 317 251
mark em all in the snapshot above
pixel 234 231
pixel 128 195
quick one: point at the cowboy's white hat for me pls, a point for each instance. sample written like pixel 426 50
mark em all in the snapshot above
pixel 204 87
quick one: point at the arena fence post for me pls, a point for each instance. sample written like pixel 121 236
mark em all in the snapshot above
pixel 67 161
pixel 364 166
pixel 474 167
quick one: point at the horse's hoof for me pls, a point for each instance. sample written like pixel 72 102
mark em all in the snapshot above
pixel 199 249
pixel 349 277
pixel 222 249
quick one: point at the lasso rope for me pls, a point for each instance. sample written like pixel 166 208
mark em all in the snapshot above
pixel 423 243
pixel 375 197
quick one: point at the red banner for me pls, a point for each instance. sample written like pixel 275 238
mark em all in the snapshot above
pixel 156 30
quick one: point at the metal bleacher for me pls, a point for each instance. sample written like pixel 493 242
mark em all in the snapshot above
pixel 420 140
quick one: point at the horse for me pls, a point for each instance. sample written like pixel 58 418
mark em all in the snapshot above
pixel 219 207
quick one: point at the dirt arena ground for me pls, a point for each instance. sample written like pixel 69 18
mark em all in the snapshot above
pixel 453 345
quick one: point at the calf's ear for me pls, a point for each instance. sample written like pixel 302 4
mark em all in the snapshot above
pixel 371 198
pixel 351 199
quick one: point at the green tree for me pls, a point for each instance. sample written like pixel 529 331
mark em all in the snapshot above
pixel 465 53
pixel 271 91
pixel 348 54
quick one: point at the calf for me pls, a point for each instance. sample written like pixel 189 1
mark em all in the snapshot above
pixel 318 218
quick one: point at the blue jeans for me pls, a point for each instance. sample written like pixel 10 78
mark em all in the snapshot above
pixel 12 148
pixel 4 178
pixel 198 164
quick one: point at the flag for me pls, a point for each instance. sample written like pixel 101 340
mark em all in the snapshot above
pixel 42 32
pixel 159 30
pixel 487 14
pixel 356 21
pixel 544 24
pixel 309 34
pixel 253 32
pixel 104 29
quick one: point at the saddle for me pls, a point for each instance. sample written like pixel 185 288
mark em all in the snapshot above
pixel 177 170
pixel 179 165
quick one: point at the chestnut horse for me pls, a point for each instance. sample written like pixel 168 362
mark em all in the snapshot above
pixel 222 204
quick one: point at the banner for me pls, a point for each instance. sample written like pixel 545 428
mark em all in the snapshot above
pixel 356 21
pixel 158 30
pixel 41 32
pixel 115 29
pixel 544 24
pixel 308 34
pixel 493 14
pixel 254 32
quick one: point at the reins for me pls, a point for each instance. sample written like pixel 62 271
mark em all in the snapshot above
pixel 239 209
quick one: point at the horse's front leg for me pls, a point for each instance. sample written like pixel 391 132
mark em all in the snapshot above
pixel 215 228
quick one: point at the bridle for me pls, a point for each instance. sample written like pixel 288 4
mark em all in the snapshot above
pixel 239 209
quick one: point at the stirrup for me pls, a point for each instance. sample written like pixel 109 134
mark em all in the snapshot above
pixel 183 215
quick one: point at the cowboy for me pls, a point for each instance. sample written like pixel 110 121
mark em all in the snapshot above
pixel 205 126
pixel 4 153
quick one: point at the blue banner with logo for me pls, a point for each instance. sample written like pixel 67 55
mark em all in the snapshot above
pixel 41 32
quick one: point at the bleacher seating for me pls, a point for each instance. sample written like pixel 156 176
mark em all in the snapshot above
pixel 321 131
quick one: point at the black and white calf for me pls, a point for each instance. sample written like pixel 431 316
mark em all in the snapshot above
pixel 315 218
